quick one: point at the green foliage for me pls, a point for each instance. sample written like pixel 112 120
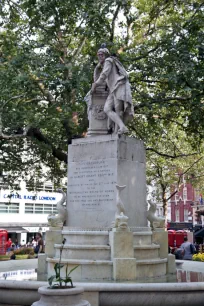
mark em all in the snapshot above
pixel 57 278
pixel 18 257
pixel 24 251
pixel 47 57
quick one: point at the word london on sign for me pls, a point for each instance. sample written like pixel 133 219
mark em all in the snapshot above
pixel 29 197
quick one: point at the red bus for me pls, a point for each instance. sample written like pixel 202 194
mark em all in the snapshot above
pixel 3 241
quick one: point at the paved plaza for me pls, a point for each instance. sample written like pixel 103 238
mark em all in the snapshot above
pixel 188 265
pixel 14 265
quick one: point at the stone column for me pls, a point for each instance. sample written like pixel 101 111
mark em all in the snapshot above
pixel 53 236
pixel 160 236
pixel 122 255
pixel 171 265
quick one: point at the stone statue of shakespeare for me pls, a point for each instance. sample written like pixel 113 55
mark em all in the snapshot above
pixel 118 105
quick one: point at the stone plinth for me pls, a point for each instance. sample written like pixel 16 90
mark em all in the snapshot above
pixel 42 267
pixel 54 235
pixel 98 121
pixel 95 166
pixel 160 237
pixel 171 267
pixel 121 244
pixel 124 268
pixel 122 255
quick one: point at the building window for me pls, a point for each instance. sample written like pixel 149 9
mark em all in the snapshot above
pixel 177 216
pixel 6 208
pixel 35 208
pixel 185 215
pixel 184 193
pixel 176 197
pixel 40 186
pixel 49 187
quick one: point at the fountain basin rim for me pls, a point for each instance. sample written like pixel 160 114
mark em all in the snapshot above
pixel 30 285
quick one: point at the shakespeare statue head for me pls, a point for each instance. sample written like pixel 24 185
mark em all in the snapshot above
pixel 102 53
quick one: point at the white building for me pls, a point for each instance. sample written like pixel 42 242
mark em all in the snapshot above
pixel 152 194
pixel 23 213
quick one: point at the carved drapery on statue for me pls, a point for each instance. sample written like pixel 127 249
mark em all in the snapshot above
pixel 109 102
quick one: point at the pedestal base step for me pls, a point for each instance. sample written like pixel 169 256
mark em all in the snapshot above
pixel 85 237
pixel 90 252
pixel 142 238
pixel 87 270
pixel 146 251
pixel 151 268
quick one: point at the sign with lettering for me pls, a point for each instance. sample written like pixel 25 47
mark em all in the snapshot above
pixel 28 197
pixel 91 184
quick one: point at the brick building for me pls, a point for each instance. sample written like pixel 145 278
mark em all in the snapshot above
pixel 187 205
pixel 182 202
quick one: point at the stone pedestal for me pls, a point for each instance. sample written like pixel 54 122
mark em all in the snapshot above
pixel 98 121
pixel 95 166
pixel 124 269
pixel 122 255
pixel 61 297
pixel 160 236
pixel 42 267
pixel 171 266
pixel 53 236
pixel 121 244
pixel 128 251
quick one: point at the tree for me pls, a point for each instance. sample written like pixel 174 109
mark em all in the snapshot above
pixel 46 64
pixel 44 76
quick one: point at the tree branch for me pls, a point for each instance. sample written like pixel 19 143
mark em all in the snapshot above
pixel 47 94
pixel 171 156
pixel 113 22
pixel 37 134
pixel 78 50
pixel 143 56
pixel 56 152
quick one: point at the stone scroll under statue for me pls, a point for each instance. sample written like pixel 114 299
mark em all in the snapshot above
pixel 112 76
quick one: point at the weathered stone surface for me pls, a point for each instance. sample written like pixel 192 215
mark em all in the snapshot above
pixel 171 266
pixel 97 117
pixel 124 268
pixel 119 294
pixel 95 166
pixel 160 237
pixel 42 267
pixel 53 236
pixel 62 297
pixel 121 245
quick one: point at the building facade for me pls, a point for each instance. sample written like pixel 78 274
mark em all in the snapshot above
pixel 181 204
pixel 186 205
pixel 24 213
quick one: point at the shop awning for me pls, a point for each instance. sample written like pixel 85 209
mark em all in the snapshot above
pixel 199 233
pixel 17 229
